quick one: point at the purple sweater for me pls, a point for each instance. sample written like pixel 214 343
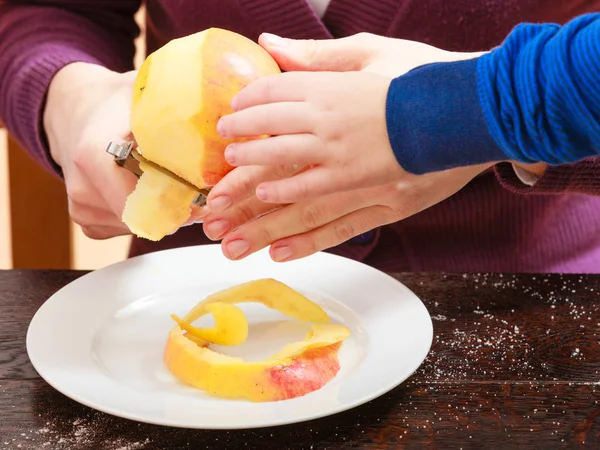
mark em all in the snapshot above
pixel 496 223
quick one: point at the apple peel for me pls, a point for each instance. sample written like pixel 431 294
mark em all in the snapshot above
pixel 154 192
pixel 297 369
pixel 231 326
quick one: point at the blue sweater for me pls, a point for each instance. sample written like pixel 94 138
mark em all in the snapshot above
pixel 536 98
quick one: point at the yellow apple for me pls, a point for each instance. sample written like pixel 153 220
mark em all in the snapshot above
pixel 180 92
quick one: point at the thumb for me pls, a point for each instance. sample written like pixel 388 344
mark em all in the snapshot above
pixel 337 55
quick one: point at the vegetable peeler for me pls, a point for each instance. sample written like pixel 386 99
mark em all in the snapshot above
pixel 126 156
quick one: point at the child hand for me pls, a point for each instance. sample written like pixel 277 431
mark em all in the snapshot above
pixel 332 123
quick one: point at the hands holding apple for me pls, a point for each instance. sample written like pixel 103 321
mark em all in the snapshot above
pixel 342 178
pixel 327 175
pixel 170 107
pixel 87 107
pixel 327 114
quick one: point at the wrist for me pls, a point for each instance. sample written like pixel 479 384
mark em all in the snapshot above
pixel 71 92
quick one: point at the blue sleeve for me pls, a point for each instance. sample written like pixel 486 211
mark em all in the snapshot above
pixel 536 98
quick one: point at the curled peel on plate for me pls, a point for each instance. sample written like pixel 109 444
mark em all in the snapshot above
pixel 296 370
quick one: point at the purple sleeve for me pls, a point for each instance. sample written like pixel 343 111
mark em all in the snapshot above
pixel 578 178
pixel 38 38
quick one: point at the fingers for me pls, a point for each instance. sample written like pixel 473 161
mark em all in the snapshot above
pixel 197 215
pixel 93 167
pixel 241 183
pixel 267 119
pixel 96 222
pixel 112 182
pixel 97 200
pixel 114 185
pixel 101 233
pixel 97 190
pixel 291 220
pixel 283 87
pixel 299 149
pixel 330 234
pixel 345 54
pixel 314 182
pixel 216 225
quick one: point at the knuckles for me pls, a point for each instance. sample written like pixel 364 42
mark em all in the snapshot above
pixel 312 51
pixel 368 38
pixel 245 185
pixel 311 217
pixel 244 214
pixel 284 171
pixel 344 231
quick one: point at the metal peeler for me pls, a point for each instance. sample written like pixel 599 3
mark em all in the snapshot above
pixel 126 156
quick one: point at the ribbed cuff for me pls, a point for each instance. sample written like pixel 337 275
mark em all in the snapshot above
pixel 578 178
pixel 435 120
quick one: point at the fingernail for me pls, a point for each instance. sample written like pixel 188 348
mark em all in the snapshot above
pixel 199 212
pixel 275 41
pixel 237 248
pixel 230 154
pixel 217 228
pixel 221 128
pixel 220 203
pixel 282 253
pixel 261 193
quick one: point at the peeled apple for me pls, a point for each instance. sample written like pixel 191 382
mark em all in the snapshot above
pixel 180 92
pixel 297 369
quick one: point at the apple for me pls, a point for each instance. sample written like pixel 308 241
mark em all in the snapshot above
pixel 180 92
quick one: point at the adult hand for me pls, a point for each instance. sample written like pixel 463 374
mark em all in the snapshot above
pixel 87 107
pixel 300 229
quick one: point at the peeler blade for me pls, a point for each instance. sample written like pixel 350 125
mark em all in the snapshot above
pixel 125 155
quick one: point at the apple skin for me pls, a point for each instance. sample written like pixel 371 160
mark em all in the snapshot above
pixel 265 381
pixel 309 372
pixel 297 369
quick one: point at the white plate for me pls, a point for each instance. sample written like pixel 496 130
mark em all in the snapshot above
pixel 100 339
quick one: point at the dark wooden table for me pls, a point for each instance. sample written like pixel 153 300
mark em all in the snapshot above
pixel 514 364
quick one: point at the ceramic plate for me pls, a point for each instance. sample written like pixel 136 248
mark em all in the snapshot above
pixel 100 339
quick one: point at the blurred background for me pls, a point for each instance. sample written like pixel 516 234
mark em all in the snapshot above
pixel 27 206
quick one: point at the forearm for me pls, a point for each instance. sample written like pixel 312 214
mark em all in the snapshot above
pixel 37 41
pixel 534 99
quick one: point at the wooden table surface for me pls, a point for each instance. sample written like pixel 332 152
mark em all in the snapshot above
pixel 514 364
